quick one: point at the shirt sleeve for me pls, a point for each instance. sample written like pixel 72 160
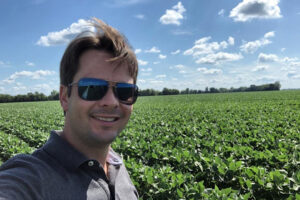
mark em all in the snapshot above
pixel 19 180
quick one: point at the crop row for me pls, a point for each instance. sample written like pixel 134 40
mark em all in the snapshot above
pixel 31 122
pixel 11 145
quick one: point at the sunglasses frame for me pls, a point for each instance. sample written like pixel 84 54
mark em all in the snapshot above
pixel 109 84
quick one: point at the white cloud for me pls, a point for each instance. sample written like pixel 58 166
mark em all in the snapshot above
pixel 252 46
pixel 231 40
pixel 44 88
pixel 289 60
pixel 264 58
pixel 224 44
pixel 202 46
pixel 66 35
pixel 221 12
pixel 175 52
pixel 156 62
pixel 174 15
pixel 142 62
pixel 19 89
pixel 146 73
pixel 267 78
pixel 282 49
pixel 269 34
pixel 137 51
pixel 216 58
pixel 141 81
pixel 32 75
pixel 140 16
pixel 146 70
pixel 31 64
pixel 295 64
pixel 181 32
pixel 179 66
pixel 204 70
pixel 5 64
pixel 293 74
pixel 153 50
pixel 161 56
pixel 159 82
pixel 260 68
pixel 182 72
pixel 253 9
pixel 205 52
pixel 18 84
pixel 297 76
pixel 287 64
pixel 161 76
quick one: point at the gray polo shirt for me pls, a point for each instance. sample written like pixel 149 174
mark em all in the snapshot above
pixel 58 171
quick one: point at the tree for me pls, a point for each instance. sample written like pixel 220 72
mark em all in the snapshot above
pixel 206 90
pixel 54 95
pixel 213 90
pixel 277 85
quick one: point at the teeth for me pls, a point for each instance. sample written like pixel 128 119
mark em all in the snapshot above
pixel 107 119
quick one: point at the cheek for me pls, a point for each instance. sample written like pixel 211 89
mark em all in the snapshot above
pixel 127 110
pixel 78 108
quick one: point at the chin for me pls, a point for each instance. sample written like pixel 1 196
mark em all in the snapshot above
pixel 106 138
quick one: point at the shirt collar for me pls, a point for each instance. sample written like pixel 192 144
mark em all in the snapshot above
pixel 64 152
pixel 113 158
pixel 71 158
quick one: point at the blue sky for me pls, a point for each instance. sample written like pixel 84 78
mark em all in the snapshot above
pixel 179 44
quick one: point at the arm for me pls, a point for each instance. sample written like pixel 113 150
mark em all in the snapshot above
pixel 19 179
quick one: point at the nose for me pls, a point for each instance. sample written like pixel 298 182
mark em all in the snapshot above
pixel 109 99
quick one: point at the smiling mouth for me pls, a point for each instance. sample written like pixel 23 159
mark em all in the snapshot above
pixel 106 119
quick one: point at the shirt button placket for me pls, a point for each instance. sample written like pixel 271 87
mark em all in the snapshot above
pixel 91 163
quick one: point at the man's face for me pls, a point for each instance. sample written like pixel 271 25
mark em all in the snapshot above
pixel 97 122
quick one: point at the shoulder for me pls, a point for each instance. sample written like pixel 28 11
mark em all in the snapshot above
pixel 124 187
pixel 22 163
pixel 20 177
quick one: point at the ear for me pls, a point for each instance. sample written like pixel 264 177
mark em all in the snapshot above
pixel 131 109
pixel 63 97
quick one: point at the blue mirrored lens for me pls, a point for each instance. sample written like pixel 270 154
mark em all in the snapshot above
pixel 91 89
pixel 126 92
pixel 92 81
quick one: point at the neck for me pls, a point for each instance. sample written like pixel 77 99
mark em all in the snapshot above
pixel 98 153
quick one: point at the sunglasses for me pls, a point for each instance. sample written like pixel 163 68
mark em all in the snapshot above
pixel 92 89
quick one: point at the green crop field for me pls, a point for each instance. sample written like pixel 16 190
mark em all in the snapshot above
pixel 206 146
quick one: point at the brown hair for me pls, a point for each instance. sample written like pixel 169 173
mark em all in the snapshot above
pixel 104 38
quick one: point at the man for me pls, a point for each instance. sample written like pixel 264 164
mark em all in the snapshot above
pixel 98 74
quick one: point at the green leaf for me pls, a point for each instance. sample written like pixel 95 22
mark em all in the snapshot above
pixel 201 186
pixel 249 184
pixel 180 194
pixel 154 155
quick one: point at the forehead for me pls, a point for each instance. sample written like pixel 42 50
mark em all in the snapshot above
pixel 96 64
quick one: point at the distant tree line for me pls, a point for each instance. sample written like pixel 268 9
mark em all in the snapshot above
pixel 4 98
pixel 167 91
